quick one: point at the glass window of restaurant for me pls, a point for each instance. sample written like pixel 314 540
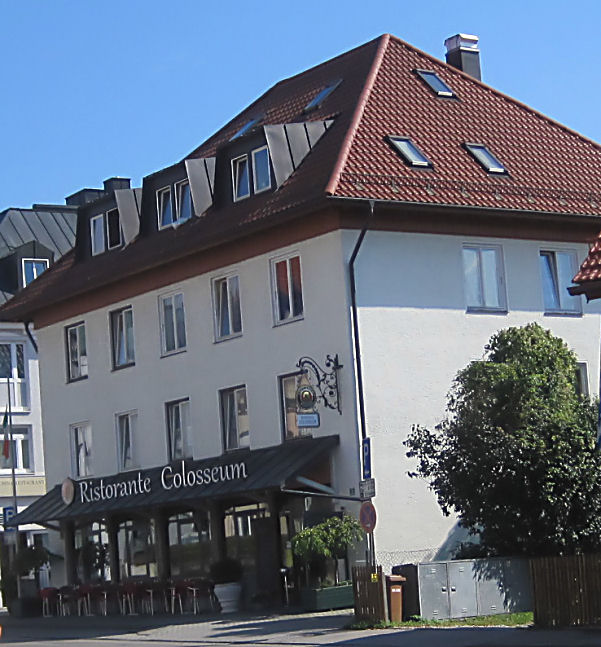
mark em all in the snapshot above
pixel 190 544
pixel 137 554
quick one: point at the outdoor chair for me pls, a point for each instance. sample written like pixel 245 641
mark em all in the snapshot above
pixel 66 597
pixel 49 597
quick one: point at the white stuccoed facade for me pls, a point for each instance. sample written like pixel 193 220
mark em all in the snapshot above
pixel 256 359
pixel 415 335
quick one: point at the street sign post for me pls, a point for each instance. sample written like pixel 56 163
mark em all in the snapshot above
pixel 367 517
pixel 8 513
pixel 367 489
pixel 366 458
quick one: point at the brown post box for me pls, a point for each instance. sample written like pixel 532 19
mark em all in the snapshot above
pixel 394 594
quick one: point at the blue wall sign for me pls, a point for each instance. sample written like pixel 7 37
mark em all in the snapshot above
pixel 366 458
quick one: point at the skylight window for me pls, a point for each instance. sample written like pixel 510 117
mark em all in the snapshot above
pixel 486 159
pixel 247 126
pixel 437 85
pixel 321 96
pixel 409 151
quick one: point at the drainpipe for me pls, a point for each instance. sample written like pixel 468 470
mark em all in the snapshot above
pixel 355 322
pixel 31 339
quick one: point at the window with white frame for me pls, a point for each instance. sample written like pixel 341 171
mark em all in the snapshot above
pixel 113 229
pixel 483 276
pixel 77 354
pixel 226 298
pixel 178 428
pixel 173 322
pixel 20 448
pixel 288 388
pixel 183 200
pixel 97 234
pixel 12 369
pixel 126 432
pixel 261 169
pixel 287 289
pixel 557 269
pixel 122 337
pixel 240 177
pixel 234 418
pixel 32 268
pixel 81 449
pixel 165 207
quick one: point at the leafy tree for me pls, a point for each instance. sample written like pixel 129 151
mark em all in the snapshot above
pixel 516 456
pixel 329 539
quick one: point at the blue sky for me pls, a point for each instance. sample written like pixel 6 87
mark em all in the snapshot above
pixel 101 88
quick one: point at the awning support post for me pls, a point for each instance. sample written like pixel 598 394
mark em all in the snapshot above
pixel 161 530
pixel 216 517
pixel 112 530
pixel 68 533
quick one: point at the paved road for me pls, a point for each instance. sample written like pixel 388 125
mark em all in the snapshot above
pixel 305 630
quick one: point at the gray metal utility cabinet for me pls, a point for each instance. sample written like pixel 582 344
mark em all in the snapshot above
pixel 461 588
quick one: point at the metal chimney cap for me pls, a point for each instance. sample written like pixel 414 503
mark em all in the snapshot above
pixel 462 41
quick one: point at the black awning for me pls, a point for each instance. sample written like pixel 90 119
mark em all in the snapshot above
pixel 181 482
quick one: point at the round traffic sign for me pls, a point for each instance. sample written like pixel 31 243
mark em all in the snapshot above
pixel 367 516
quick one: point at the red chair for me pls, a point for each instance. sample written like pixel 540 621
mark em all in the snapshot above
pixel 179 590
pixel 83 596
pixel 201 589
pixel 109 593
pixel 66 597
pixel 49 597
pixel 129 592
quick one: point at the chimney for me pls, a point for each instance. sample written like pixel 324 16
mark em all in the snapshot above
pixel 463 53
pixel 114 183
pixel 83 196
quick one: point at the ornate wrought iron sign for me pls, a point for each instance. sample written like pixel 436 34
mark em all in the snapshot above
pixel 324 380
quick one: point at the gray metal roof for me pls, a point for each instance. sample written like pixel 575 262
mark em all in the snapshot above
pixel 53 226
pixel 266 469
pixel 54 229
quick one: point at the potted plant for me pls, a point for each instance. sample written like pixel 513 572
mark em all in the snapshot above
pixel 317 546
pixel 226 575
pixel 29 559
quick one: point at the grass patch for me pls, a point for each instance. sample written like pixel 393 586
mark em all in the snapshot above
pixel 501 620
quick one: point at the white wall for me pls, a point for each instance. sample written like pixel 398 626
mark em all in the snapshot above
pixel 263 352
pixel 415 335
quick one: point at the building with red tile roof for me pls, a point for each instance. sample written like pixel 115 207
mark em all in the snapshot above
pixel 320 268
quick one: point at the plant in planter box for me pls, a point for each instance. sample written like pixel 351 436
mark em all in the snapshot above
pixel 325 541
pixel 226 575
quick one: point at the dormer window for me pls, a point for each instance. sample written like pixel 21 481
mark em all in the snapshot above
pixel 113 229
pixel 321 96
pixel 240 178
pixel 435 83
pixel 32 268
pixel 165 207
pixel 261 170
pixel 241 173
pixel 409 151
pixel 97 234
pixel 183 200
pixel 486 159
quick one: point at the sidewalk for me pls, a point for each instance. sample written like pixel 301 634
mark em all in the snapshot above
pixel 299 629
pixel 277 630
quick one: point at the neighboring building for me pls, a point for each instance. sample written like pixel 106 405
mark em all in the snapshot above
pixel 192 301
pixel 30 241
